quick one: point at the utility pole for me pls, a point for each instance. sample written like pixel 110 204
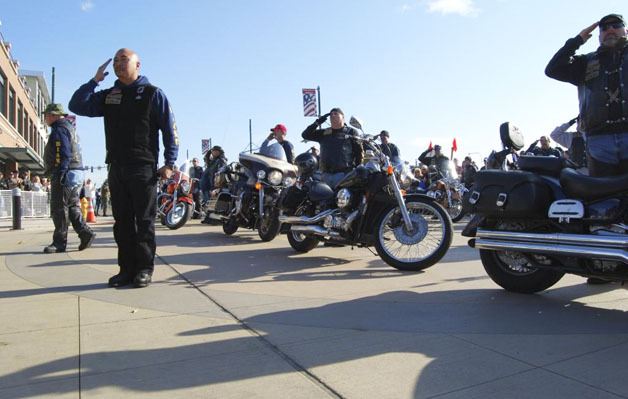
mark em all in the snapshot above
pixel 250 137
pixel 53 85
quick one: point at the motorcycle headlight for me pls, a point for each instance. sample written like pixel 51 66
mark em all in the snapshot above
pixel 261 174
pixel 343 198
pixel 431 194
pixel 288 181
pixel 274 177
pixel 184 186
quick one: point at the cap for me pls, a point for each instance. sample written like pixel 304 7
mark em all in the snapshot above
pixel 437 147
pixel 280 127
pixel 610 18
pixel 54 109
pixel 217 148
pixel 337 110
pixel 384 133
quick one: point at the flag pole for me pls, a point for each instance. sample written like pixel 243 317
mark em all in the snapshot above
pixel 318 95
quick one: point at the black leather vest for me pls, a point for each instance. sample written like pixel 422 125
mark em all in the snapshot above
pixel 603 95
pixel 336 151
pixel 129 136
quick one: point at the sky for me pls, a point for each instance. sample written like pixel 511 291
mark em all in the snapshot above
pixel 425 70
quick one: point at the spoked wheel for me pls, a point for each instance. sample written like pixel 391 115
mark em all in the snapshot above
pixel 178 215
pixel 455 211
pixel 420 248
pixel 302 242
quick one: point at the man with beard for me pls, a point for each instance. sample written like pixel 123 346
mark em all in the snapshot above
pixel 600 77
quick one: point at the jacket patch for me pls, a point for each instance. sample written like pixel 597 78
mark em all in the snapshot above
pixel 113 98
pixel 593 70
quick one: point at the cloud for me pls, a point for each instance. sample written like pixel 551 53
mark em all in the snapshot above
pixel 461 7
pixel 405 7
pixel 87 5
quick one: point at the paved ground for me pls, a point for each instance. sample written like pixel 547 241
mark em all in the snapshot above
pixel 231 317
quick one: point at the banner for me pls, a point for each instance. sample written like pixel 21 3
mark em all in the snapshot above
pixel 309 102
pixel 204 146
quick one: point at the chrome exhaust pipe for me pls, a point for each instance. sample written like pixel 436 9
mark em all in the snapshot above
pixel 557 249
pixel 216 216
pixel 607 241
pixel 317 230
pixel 296 220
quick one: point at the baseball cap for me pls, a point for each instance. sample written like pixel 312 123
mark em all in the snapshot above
pixel 610 18
pixel 217 148
pixel 54 109
pixel 336 109
pixel 384 133
pixel 280 127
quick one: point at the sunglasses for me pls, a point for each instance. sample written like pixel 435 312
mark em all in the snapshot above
pixel 616 25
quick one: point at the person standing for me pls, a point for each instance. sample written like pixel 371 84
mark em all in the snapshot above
pixel 134 111
pixel 544 150
pixel 104 196
pixel 389 148
pixel 64 164
pixel 600 77
pixel 279 133
pixel 196 172
pixel 214 159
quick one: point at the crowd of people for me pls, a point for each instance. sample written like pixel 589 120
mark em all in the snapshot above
pixel 24 181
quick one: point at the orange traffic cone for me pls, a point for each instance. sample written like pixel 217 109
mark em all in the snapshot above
pixel 91 217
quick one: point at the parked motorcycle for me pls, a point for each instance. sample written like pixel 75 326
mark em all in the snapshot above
pixel 448 191
pixel 534 224
pixel 248 190
pixel 175 204
pixel 366 208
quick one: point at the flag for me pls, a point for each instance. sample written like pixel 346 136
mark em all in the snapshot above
pixel 204 146
pixel 309 102
pixel 454 146
pixel 430 146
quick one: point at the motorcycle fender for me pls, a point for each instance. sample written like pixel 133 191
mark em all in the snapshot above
pixel 471 228
pixel 187 200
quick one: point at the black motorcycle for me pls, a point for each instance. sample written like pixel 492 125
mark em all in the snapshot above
pixel 247 192
pixel 543 219
pixel 366 208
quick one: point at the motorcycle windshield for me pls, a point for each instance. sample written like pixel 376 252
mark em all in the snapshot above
pixel 274 151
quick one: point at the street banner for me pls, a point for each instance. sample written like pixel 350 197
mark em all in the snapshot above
pixel 309 102
pixel 204 146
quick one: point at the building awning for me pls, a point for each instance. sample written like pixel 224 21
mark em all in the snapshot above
pixel 25 157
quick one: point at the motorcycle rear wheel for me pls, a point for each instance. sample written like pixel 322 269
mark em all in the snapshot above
pixel 426 245
pixel 517 275
pixel 301 242
pixel 230 226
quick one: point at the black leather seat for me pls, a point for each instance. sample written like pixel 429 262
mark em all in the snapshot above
pixel 539 164
pixel 589 188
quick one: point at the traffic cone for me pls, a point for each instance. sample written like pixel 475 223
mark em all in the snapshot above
pixel 84 208
pixel 91 217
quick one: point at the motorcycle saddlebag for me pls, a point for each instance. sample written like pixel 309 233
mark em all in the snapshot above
pixel 291 197
pixel 513 194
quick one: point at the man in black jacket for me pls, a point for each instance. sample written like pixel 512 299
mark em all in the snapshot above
pixel 600 77
pixel 389 148
pixel 134 112
pixel 339 153
pixel 434 157
pixel 64 164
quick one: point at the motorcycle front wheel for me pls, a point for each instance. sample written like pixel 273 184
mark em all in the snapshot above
pixel 420 248
pixel 456 213
pixel 269 226
pixel 178 215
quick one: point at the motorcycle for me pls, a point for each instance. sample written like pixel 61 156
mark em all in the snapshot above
pixel 367 208
pixel 248 191
pixel 175 203
pixel 544 219
pixel 448 191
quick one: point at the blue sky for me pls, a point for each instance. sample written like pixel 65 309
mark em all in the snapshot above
pixel 425 70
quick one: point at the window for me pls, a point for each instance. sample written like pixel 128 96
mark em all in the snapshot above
pixel 11 106
pixel 3 94
pixel 20 118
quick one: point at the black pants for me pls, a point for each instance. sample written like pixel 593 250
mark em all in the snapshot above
pixel 133 203
pixel 64 205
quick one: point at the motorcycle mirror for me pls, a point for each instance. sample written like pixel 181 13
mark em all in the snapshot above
pixel 355 122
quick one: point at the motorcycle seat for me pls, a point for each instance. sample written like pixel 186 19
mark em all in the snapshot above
pixel 540 164
pixel 590 188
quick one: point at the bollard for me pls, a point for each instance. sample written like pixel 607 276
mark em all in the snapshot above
pixel 17 209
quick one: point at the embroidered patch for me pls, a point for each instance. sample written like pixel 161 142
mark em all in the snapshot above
pixel 593 70
pixel 113 98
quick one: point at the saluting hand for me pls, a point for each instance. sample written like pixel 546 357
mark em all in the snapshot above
pixel 100 73
pixel 587 32
pixel 165 172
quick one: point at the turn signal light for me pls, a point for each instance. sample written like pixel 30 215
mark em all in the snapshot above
pixel 390 170
pixel 258 186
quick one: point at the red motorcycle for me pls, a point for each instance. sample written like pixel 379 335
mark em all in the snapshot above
pixel 175 204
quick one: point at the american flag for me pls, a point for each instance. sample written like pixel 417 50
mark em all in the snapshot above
pixel 309 102
pixel 204 146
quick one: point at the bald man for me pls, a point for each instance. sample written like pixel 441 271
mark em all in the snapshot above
pixel 134 112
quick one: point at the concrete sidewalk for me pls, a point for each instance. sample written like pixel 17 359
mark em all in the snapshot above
pixel 235 317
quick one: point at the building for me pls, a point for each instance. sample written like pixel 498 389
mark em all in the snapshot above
pixel 23 97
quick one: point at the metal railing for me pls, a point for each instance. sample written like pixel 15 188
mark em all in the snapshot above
pixel 34 204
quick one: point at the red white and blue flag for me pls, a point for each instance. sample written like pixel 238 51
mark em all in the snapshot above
pixel 309 102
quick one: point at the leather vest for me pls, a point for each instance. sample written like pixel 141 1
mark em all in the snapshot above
pixel 129 136
pixel 336 151
pixel 603 99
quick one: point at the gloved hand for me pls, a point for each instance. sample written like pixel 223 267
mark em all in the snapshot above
pixel 63 178
pixel 322 119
